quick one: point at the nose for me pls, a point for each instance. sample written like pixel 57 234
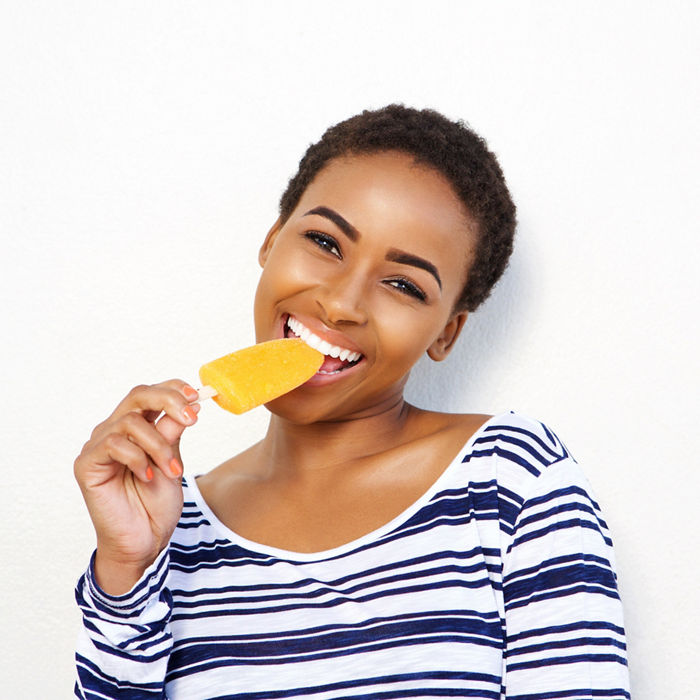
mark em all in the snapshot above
pixel 342 300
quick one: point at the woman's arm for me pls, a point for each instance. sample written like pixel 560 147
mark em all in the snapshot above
pixel 129 474
pixel 564 621
pixel 125 641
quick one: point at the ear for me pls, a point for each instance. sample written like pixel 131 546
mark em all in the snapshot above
pixel 443 344
pixel 269 242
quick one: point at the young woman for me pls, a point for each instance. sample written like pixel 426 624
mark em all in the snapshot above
pixel 364 548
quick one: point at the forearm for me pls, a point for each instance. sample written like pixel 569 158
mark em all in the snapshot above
pixel 125 642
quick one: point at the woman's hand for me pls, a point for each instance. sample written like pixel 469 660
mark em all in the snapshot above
pixel 129 473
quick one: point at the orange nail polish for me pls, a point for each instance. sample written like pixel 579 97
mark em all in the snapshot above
pixel 149 473
pixel 190 393
pixel 175 468
pixel 190 414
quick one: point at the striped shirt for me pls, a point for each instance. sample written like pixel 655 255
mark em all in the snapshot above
pixel 497 583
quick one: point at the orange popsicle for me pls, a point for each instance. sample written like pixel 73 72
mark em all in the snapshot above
pixel 255 375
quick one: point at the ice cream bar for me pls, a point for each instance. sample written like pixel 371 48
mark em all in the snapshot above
pixel 255 375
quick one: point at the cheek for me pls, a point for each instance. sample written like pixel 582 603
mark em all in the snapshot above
pixel 403 341
pixel 278 272
pixel 285 274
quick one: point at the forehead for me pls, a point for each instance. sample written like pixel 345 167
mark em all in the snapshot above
pixel 391 183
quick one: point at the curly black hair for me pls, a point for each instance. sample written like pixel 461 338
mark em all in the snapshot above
pixel 453 150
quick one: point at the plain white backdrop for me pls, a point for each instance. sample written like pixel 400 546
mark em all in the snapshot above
pixel 143 148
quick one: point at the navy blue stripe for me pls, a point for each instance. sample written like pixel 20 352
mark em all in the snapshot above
pixel 554 561
pixel 471 486
pixel 566 491
pixel 557 454
pixel 192 514
pixel 556 510
pixel 198 658
pixel 436 510
pixel 572 489
pixel 558 577
pixel 391 566
pixel 488 620
pixel 188 526
pixel 577 694
pixel 567 644
pixel 562 660
pixel 507 455
pixel 178 550
pixel 337 601
pixel 396 678
pixel 542 459
pixel 424 693
pixel 326 589
pixel 130 657
pixel 295 643
pixel 559 629
pixel 581 588
pixel 563 525
pixel 183 664
pixel 279 590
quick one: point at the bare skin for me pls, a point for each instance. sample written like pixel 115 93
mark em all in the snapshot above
pixel 372 259
pixel 129 474
pixel 305 500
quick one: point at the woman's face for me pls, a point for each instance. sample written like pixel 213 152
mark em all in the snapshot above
pixel 371 261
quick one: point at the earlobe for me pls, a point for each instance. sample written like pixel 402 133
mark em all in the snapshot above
pixel 268 242
pixel 443 344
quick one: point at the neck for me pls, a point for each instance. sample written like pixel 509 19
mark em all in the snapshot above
pixel 304 450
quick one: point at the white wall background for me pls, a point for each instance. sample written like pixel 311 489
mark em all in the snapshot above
pixel 143 147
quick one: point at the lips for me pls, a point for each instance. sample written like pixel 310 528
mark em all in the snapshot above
pixel 338 358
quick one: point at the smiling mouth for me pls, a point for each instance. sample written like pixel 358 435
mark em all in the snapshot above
pixel 337 358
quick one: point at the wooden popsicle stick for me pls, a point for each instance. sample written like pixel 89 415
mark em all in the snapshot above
pixel 206 392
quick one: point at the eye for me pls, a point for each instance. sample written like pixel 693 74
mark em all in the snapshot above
pixel 407 287
pixel 324 241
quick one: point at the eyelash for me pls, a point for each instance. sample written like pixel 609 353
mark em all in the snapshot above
pixel 329 244
pixel 325 242
pixel 408 288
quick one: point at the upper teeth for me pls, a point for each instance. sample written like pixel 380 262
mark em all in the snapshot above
pixel 323 346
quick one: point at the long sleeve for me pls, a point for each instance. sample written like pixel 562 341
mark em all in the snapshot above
pixel 125 641
pixel 564 622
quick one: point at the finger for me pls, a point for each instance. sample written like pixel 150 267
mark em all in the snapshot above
pixel 114 449
pixel 172 430
pixel 149 439
pixel 172 397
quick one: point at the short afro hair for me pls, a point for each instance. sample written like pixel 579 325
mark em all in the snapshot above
pixel 452 149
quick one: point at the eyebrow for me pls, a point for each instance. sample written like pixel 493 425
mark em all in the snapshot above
pixel 345 226
pixel 394 255
pixel 407 259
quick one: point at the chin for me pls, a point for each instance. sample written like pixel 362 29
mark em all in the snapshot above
pixel 295 411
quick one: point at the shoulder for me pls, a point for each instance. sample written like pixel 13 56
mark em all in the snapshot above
pixel 541 488
pixel 519 453
pixel 524 440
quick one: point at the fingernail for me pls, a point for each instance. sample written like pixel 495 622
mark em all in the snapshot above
pixel 190 414
pixel 149 474
pixel 175 468
pixel 196 407
pixel 190 393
